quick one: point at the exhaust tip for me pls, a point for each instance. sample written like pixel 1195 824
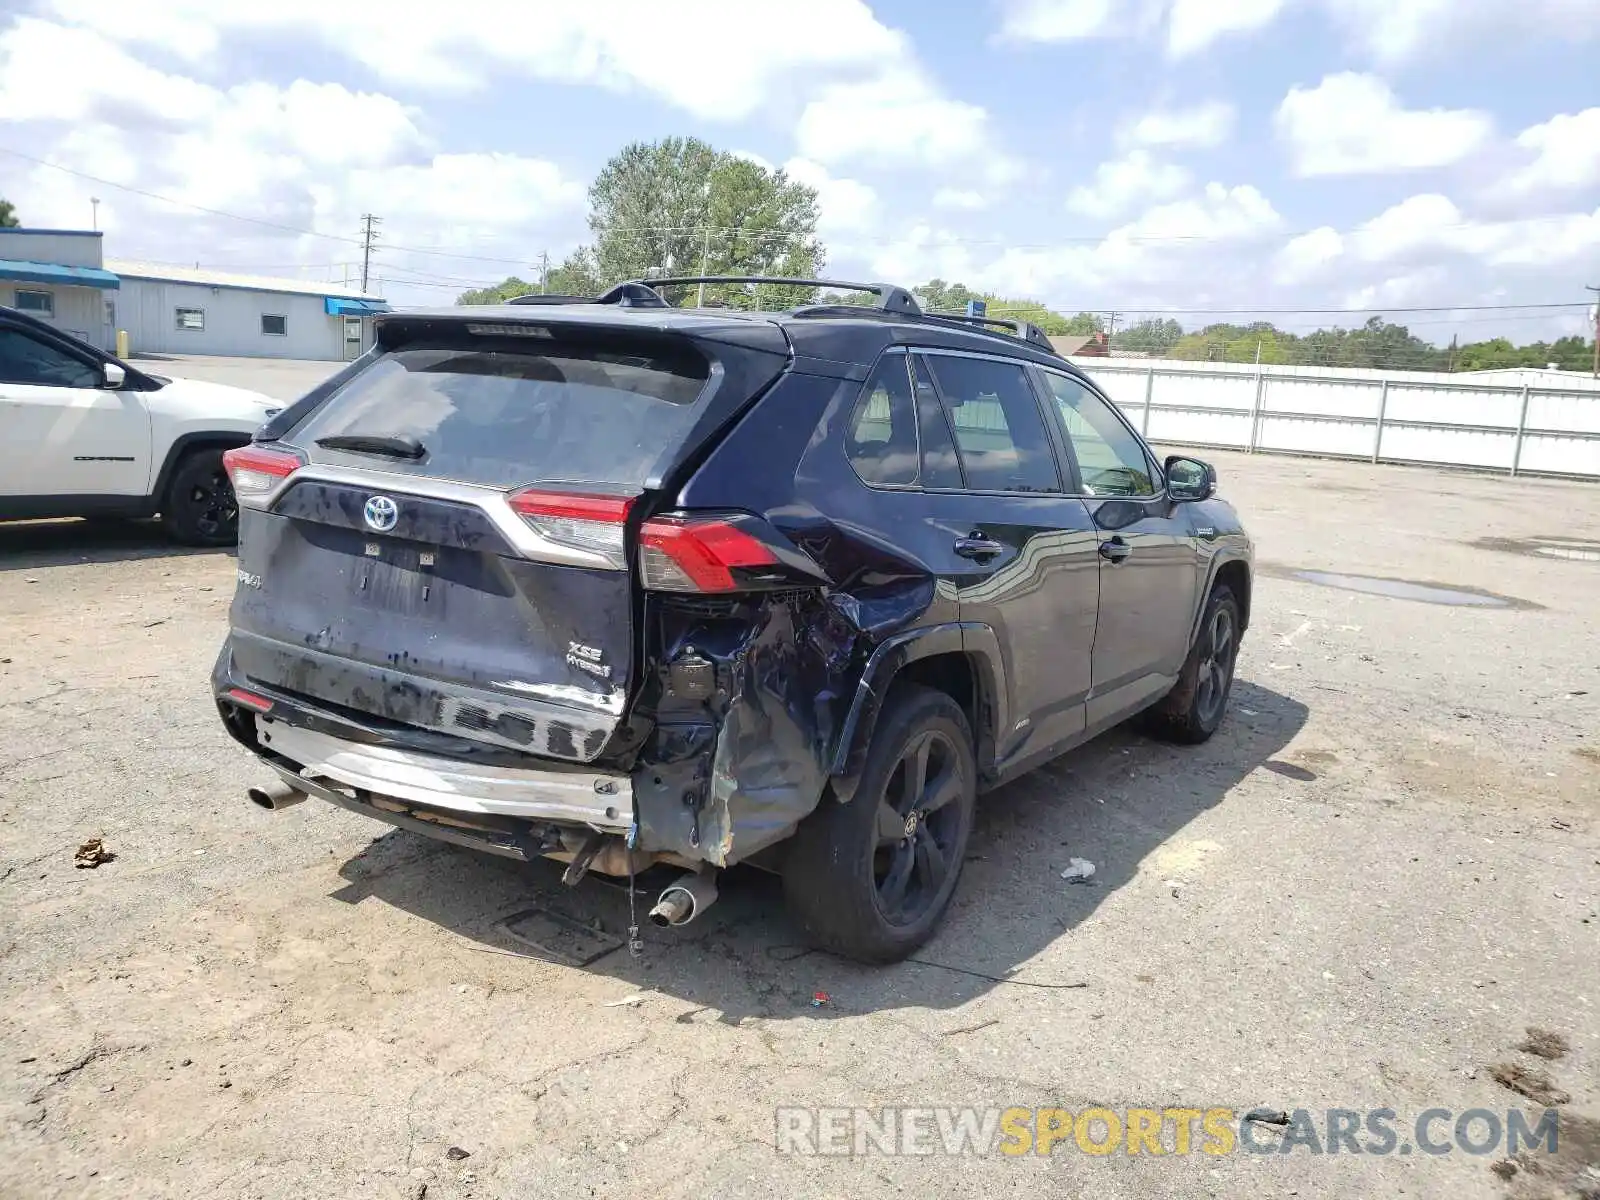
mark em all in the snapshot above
pixel 683 901
pixel 275 797
pixel 675 907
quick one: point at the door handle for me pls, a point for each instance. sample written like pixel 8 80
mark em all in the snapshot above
pixel 980 548
pixel 1115 550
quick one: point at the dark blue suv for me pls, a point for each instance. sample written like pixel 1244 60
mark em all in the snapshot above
pixel 624 584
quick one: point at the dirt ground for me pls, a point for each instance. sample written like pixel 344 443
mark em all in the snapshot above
pixel 1381 871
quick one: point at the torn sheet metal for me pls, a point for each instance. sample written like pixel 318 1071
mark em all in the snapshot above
pixel 728 775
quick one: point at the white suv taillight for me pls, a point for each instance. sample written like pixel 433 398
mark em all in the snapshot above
pixel 592 523
pixel 690 554
pixel 256 473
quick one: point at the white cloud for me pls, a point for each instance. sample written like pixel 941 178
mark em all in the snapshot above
pixel 1412 288
pixel 473 192
pixel 922 252
pixel 1124 183
pixel 1386 31
pixel 1063 20
pixel 1170 249
pixel 1395 31
pixel 1567 147
pixel 1305 256
pixel 844 205
pixel 1352 124
pixel 104 79
pixel 899 116
pixel 307 156
pixel 1432 227
pixel 624 45
pixel 1199 127
pixel 962 199
pixel 1219 214
pixel 1189 25
pixel 1194 24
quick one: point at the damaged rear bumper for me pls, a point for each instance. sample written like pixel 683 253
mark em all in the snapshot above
pixel 600 800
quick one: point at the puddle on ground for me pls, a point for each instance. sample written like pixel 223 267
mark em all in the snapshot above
pixel 1566 549
pixel 1404 589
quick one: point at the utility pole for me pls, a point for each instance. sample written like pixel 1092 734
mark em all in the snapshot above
pixel 544 272
pixel 94 212
pixel 369 239
pixel 705 261
pixel 1596 291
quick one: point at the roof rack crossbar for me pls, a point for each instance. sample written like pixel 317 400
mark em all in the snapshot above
pixel 1026 330
pixel 891 297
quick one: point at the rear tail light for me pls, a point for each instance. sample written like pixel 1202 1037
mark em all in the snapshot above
pixel 592 523
pixel 256 473
pixel 678 554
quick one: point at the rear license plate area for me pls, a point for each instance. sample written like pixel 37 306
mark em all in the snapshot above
pixel 396 577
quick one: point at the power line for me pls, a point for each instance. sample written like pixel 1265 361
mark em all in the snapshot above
pixel 370 236
pixel 643 231
pixel 1371 310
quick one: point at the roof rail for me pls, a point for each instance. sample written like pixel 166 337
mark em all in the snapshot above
pixel 1026 330
pixel 546 298
pixel 891 297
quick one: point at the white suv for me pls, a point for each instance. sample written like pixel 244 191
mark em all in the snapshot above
pixel 83 434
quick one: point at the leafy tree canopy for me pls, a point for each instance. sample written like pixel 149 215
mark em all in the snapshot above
pixel 680 207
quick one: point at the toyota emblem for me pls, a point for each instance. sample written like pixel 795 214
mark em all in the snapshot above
pixel 381 513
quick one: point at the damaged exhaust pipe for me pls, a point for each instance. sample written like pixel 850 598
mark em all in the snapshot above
pixel 275 796
pixel 684 900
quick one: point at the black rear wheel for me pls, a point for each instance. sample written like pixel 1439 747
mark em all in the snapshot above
pixel 199 508
pixel 870 879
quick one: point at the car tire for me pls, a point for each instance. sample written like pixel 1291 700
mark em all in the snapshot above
pixel 857 883
pixel 1191 712
pixel 199 508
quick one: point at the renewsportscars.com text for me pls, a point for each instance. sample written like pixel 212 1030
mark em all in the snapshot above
pixel 1099 1131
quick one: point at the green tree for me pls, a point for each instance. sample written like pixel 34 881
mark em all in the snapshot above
pixel 937 296
pixel 8 215
pixel 678 205
pixel 575 277
pixel 497 293
pixel 1150 336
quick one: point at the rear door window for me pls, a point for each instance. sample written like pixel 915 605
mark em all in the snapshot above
pixel 558 414
pixel 882 441
pixel 998 428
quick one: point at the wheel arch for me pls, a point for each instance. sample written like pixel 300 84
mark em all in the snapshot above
pixel 186 444
pixel 1234 571
pixel 961 659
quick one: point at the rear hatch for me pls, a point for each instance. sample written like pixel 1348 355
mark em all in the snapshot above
pixel 446 542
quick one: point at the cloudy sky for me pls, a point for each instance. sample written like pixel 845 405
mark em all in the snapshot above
pixel 1137 155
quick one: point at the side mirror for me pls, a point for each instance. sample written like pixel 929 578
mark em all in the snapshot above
pixel 1189 479
pixel 113 374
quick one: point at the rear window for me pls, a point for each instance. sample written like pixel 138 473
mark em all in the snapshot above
pixel 504 418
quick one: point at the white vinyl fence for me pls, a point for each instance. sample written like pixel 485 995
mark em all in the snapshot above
pixel 1378 416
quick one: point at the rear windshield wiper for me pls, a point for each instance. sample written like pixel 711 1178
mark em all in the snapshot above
pixel 375 443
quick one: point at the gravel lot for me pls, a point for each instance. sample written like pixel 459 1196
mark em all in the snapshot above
pixel 1358 895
